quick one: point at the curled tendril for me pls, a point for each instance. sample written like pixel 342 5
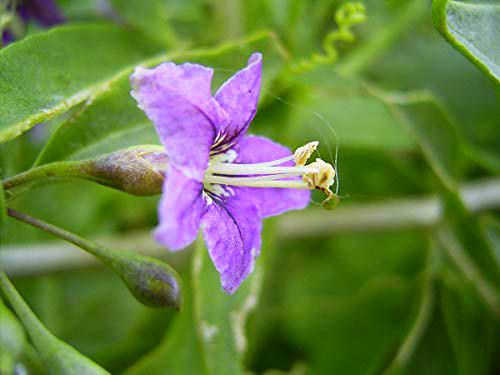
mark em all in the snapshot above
pixel 346 16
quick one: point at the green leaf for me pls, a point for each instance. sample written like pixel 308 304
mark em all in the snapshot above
pixel 58 357
pixel 473 28
pixel 220 318
pixel 179 352
pixel 423 315
pixel 434 355
pixel 51 72
pixel 113 120
pixel 473 256
pixel 317 299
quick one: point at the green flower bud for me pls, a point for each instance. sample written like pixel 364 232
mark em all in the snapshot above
pixel 137 170
pixel 153 282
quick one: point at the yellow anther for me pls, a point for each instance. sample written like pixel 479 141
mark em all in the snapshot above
pixel 321 175
pixel 302 154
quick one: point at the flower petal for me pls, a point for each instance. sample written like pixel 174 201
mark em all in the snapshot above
pixel 232 229
pixel 239 96
pixel 45 12
pixel 180 210
pixel 177 99
pixel 270 201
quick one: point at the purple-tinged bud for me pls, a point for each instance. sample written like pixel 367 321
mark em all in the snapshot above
pixel 138 170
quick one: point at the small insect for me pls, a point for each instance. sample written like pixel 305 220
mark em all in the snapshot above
pixel 332 200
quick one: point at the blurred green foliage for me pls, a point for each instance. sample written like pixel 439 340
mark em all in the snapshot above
pixel 411 115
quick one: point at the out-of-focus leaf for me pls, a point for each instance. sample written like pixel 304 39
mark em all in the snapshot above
pixel 384 27
pixel 12 340
pixel 439 141
pixel 51 72
pixel 58 357
pixel 473 331
pixel 432 130
pixel 470 253
pixel 149 17
pixel 220 319
pixel 344 298
pixel 490 225
pixel 423 316
pixel 209 335
pixel 473 28
pixel 179 352
pixel 434 355
pixel 3 211
pixel 113 121
pixel 330 104
pixel 437 67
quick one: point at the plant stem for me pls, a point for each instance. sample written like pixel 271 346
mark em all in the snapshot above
pixel 38 333
pixel 151 282
pixel 106 255
pixel 15 185
pixel 59 357
pixel 395 214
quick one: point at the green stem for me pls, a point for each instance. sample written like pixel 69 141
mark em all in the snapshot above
pixel 104 254
pixel 40 336
pixel 16 185
pixel 152 282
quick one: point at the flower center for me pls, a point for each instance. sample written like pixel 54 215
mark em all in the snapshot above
pixel 317 175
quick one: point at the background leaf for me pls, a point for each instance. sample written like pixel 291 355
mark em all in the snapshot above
pixel 51 72
pixel 150 17
pixel 59 357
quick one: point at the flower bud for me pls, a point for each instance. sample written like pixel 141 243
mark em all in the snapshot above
pixel 154 283
pixel 138 170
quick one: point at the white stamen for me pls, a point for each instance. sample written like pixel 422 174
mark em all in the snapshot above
pixel 222 172
pixel 235 181
pixel 249 169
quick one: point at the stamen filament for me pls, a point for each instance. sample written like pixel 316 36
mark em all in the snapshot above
pixel 264 164
pixel 250 169
pixel 262 181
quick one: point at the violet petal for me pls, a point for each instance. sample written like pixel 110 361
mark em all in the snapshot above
pixel 239 96
pixel 45 12
pixel 232 230
pixel 177 99
pixel 180 210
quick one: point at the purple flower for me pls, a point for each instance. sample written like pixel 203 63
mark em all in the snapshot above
pixel 219 178
pixel 44 12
